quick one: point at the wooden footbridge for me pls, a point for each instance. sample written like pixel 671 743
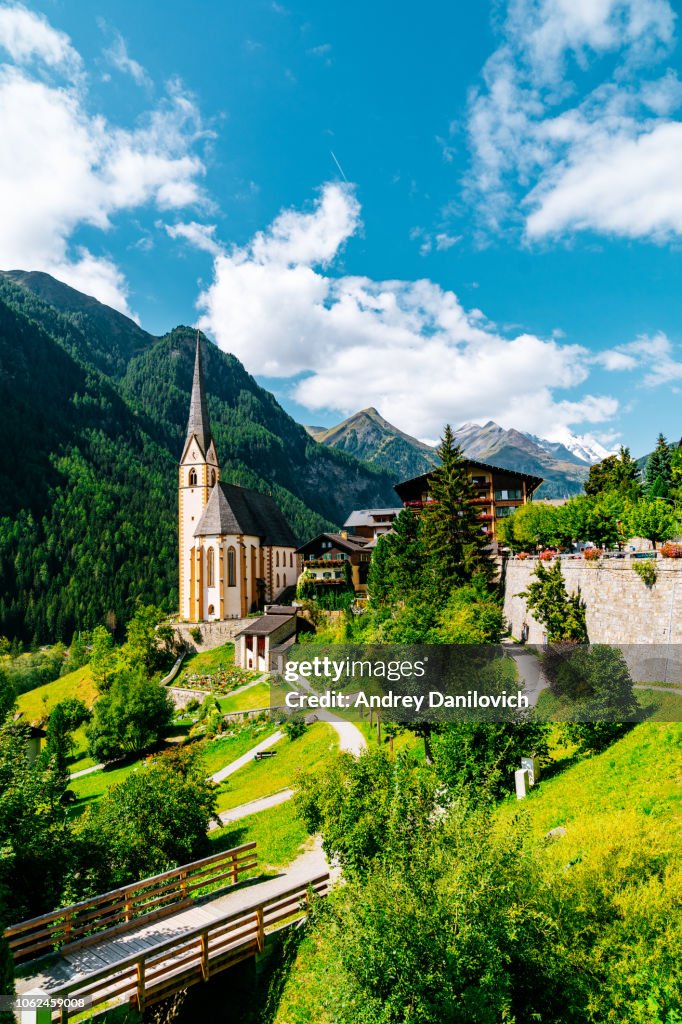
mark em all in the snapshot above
pixel 142 943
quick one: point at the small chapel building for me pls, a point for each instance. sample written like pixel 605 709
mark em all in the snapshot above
pixel 237 552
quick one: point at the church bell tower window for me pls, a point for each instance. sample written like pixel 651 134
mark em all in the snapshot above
pixel 192 479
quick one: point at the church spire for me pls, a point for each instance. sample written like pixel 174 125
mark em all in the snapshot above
pixel 198 424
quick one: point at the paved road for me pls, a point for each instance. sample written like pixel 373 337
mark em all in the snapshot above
pixel 534 681
pixel 240 762
pixel 350 737
pixel 263 803
pixel 530 671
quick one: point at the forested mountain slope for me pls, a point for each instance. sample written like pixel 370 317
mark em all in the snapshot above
pixel 94 411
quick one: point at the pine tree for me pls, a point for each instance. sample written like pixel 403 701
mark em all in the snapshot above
pixel 615 473
pixel 397 562
pixel 659 469
pixel 562 614
pixel 451 533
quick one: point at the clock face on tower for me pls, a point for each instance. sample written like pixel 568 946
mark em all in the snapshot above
pixel 194 455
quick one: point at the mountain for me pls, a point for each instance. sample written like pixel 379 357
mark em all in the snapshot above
pixel 368 436
pixel 583 447
pixel 94 415
pixel 563 467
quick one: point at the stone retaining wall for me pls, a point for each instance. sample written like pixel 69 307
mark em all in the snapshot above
pixel 213 634
pixel 621 608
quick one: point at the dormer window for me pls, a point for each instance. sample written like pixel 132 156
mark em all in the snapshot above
pixel 192 479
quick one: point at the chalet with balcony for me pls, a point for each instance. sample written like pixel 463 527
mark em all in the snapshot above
pixel 326 557
pixel 371 523
pixel 498 492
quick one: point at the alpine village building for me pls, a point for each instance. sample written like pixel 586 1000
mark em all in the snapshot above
pixel 236 550
pixel 498 492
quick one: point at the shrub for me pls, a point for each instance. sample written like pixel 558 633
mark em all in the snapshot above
pixel 646 572
pixel 547 556
pixel 670 550
pixel 195 633
pixel 523 555
pixel 295 727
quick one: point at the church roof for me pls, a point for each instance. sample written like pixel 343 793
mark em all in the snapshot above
pixel 233 509
pixel 198 424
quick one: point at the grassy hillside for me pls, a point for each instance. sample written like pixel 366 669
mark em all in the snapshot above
pixel 37 704
pixel 614 880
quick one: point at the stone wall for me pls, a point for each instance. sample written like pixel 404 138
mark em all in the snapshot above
pixel 621 609
pixel 213 634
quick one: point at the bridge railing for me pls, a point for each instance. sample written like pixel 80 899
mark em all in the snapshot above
pixel 161 970
pixel 121 909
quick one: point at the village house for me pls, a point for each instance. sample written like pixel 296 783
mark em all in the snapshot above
pixel 326 557
pixel 266 639
pixel 371 523
pixel 499 492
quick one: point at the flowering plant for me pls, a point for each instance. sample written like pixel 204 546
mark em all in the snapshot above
pixel 547 556
pixel 592 554
pixel 669 550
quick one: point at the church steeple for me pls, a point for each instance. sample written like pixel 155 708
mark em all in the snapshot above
pixel 198 424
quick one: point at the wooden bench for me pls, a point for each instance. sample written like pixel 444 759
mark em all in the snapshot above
pixel 264 753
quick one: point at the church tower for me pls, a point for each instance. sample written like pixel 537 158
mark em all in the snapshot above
pixel 198 475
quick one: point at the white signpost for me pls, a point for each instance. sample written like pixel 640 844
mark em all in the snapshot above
pixel 521 780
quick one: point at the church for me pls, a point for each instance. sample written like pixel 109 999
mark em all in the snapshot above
pixel 237 551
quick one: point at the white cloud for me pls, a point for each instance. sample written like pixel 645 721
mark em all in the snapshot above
pixel 408 347
pixel 118 56
pixel 558 157
pixel 201 236
pixel 652 354
pixel 62 167
pixel 27 36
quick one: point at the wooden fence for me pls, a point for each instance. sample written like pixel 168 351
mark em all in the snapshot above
pixel 125 908
pixel 174 964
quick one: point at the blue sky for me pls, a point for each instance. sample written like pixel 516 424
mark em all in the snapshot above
pixel 451 212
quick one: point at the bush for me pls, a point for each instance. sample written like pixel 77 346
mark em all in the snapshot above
pixel 670 550
pixel 295 727
pixel 129 717
pixel 547 556
pixel 646 572
pixel 195 633
pixel 156 818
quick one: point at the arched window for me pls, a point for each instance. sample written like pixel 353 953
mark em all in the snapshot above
pixel 192 479
pixel 278 581
pixel 211 610
pixel 210 567
pixel 276 557
pixel 231 567
pixel 291 560
pixel 213 478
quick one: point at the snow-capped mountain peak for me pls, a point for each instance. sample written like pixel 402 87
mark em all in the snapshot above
pixel 587 448
pixel 584 447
